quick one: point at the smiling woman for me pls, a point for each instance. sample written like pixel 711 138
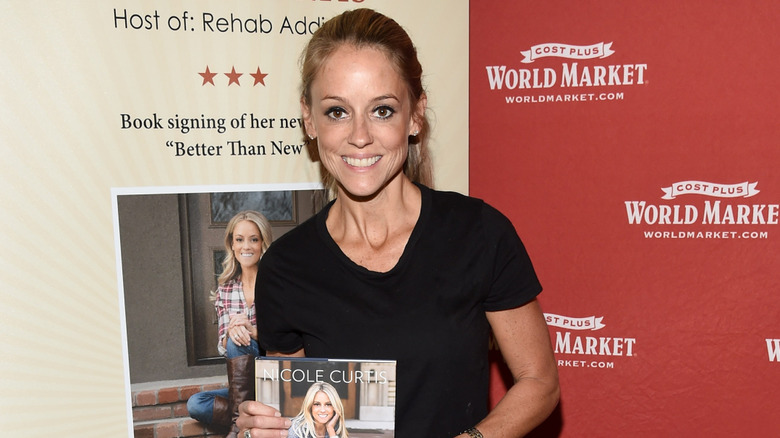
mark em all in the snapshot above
pixel 247 237
pixel 322 414
pixel 409 273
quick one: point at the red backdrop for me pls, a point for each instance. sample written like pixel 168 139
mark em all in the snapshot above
pixel 635 147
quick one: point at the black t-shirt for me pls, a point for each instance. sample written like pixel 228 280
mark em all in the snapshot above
pixel 428 313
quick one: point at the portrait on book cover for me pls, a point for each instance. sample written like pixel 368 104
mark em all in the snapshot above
pixel 362 393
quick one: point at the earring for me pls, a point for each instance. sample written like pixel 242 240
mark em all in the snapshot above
pixel 414 134
pixel 311 136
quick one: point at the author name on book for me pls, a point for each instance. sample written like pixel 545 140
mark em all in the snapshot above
pixel 334 376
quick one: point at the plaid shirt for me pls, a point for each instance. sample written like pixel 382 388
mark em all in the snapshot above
pixel 230 301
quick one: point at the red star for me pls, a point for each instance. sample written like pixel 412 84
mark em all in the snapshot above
pixel 233 76
pixel 208 77
pixel 259 77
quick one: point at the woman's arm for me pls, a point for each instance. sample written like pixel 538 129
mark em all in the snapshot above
pixel 331 425
pixel 525 344
pixel 223 318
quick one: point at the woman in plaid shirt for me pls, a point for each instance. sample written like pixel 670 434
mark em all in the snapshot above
pixel 247 236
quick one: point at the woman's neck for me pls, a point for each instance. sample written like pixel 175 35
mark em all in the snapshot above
pixel 248 274
pixel 248 277
pixel 391 206
pixel 374 233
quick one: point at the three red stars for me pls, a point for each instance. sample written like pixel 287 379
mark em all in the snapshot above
pixel 233 77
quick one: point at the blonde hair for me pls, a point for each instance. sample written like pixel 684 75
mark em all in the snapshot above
pixel 368 28
pixel 303 423
pixel 231 269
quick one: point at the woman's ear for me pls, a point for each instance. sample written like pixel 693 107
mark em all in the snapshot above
pixel 307 121
pixel 418 115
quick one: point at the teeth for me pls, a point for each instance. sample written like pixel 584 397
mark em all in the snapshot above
pixel 361 162
pixel 247 255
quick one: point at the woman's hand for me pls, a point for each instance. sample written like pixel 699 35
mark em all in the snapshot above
pixel 261 420
pixel 239 320
pixel 240 330
pixel 331 426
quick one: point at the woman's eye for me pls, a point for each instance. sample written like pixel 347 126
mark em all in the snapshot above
pixel 336 113
pixel 384 112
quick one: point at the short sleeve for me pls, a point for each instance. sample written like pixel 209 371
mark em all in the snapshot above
pixel 513 281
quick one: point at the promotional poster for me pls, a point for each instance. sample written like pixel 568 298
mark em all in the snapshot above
pixel 119 122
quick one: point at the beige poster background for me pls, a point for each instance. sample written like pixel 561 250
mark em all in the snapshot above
pixel 93 97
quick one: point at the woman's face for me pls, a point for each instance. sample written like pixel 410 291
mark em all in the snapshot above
pixel 362 116
pixel 247 243
pixel 321 408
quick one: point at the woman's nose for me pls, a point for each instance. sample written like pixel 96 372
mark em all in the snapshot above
pixel 361 132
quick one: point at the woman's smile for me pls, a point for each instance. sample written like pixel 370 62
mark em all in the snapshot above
pixel 361 162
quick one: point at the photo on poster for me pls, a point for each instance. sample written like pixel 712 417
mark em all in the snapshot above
pixel 171 244
pixel 362 393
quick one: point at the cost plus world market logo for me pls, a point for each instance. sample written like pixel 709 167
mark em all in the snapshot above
pixel 571 81
pixel 722 216
pixel 578 347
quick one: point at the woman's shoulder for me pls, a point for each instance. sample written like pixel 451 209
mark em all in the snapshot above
pixel 229 287
pixel 230 284
pixel 295 430
pixel 449 202
pixel 453 210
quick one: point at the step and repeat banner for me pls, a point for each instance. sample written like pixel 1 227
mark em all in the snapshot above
pixel 635 147
pixel 105 100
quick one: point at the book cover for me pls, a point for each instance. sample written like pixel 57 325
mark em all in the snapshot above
pixel 353 398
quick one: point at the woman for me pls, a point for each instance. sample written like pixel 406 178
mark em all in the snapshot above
pixel 392 269
pixel 321 414
pixel 247 237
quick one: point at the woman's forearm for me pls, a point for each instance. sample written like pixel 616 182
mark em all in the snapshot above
pixel 526 405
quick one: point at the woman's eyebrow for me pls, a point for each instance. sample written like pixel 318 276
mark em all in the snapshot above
pixel 376 99
pixel 385 97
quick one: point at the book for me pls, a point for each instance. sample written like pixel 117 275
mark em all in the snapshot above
pixel 361 392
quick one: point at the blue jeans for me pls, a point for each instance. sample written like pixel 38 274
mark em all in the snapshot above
pixel 234 350
pixel 201 405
